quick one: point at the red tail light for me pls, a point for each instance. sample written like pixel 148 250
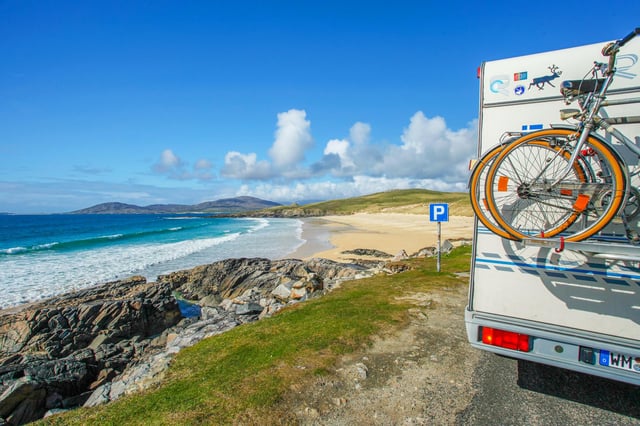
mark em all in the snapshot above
pixel 506 339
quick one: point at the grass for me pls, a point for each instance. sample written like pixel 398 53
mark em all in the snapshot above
pixel 403 200
pixel 243 375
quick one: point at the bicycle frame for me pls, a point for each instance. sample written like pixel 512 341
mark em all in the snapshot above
pixel 593 120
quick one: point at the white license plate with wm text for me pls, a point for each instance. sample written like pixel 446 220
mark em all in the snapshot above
pixel 620 361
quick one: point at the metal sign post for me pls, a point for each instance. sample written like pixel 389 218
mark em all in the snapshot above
pixel 439 212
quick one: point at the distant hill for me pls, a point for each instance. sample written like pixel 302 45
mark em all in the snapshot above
pixel 225 205
pixel 415 201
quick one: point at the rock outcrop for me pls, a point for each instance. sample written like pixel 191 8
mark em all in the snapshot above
pixel 210 284
pixel 368 252
pixel 53 353
pixel 95 345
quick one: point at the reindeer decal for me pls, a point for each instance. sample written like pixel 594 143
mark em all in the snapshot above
pixel 539 82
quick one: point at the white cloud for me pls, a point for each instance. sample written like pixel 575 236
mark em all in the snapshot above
pixel 173 167
pixel 293 138
pixel 202 169
pixel 168 162
pixel 360 133
pixel 431 151
pixel 245 166
pixel 339 147
pixel 202 164
pixel 428 155
pixel 424 134
pixel 354 153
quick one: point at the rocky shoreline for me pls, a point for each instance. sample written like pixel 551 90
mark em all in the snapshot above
pixel 92 346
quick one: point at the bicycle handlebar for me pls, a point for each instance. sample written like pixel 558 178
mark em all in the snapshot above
pixel 612 49
pixel 629 36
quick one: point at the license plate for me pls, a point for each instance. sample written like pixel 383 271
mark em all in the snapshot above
pixel 619 361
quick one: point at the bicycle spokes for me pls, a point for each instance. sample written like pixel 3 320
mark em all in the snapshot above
pixel 533 188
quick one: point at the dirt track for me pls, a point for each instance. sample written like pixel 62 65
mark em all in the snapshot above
pixel 429 374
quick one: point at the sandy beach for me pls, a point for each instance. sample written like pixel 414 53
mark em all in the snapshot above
pixel 329 236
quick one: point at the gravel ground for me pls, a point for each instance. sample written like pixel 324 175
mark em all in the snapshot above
pixel 428 374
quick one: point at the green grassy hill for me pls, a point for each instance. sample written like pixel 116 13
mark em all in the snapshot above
pixel 398 201
pixel 245 376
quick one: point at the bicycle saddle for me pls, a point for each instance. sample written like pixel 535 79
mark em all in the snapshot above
pixel 579 87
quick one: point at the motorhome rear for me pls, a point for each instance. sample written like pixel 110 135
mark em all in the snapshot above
pixel 570 305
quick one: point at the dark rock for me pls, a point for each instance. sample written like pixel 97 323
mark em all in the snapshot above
pixel 124 308
pixel 76 400
pixel 29 409
pixel 14 394
pixel 92 346
pixel 368 252
pixel 64 377
pixel 54 400
pixel 232 277
pixel 51 352
pixel 366 263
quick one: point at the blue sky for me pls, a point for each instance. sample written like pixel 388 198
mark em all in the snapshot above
pixel 149 102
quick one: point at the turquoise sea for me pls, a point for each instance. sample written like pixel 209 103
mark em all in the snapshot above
pixel 45 255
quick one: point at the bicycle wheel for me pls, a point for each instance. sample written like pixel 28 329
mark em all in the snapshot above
pixel 524 202
pixel 477 182
pixel 476 192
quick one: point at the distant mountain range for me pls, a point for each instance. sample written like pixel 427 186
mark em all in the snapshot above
pixel 225 205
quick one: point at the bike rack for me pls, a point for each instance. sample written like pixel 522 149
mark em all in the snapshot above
pixel 612 251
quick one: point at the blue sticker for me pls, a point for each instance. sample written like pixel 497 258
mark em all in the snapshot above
pixel 531 127
pixel 604 358
pixel 519 90
pixel 543 80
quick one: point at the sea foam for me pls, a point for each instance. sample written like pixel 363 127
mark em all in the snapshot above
pixel 43 273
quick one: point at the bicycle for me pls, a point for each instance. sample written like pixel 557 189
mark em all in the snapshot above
pixel 566 179
pixel 478 175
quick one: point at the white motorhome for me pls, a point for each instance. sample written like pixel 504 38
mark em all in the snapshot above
pixel 570 305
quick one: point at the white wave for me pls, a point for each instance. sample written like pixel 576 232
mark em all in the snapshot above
pixel 299 230
pixel 20 250
pixel 181 218
pixel 48 273
pixel 14 250
pixel 111 237
pixel 261 224
pixel 31 278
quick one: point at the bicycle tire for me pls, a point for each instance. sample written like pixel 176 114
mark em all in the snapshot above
pixel 522 202
pixel 476 192
pixel 543 146
pixel 477 181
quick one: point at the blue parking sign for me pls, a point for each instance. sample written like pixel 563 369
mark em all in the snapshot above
pixel 439 212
